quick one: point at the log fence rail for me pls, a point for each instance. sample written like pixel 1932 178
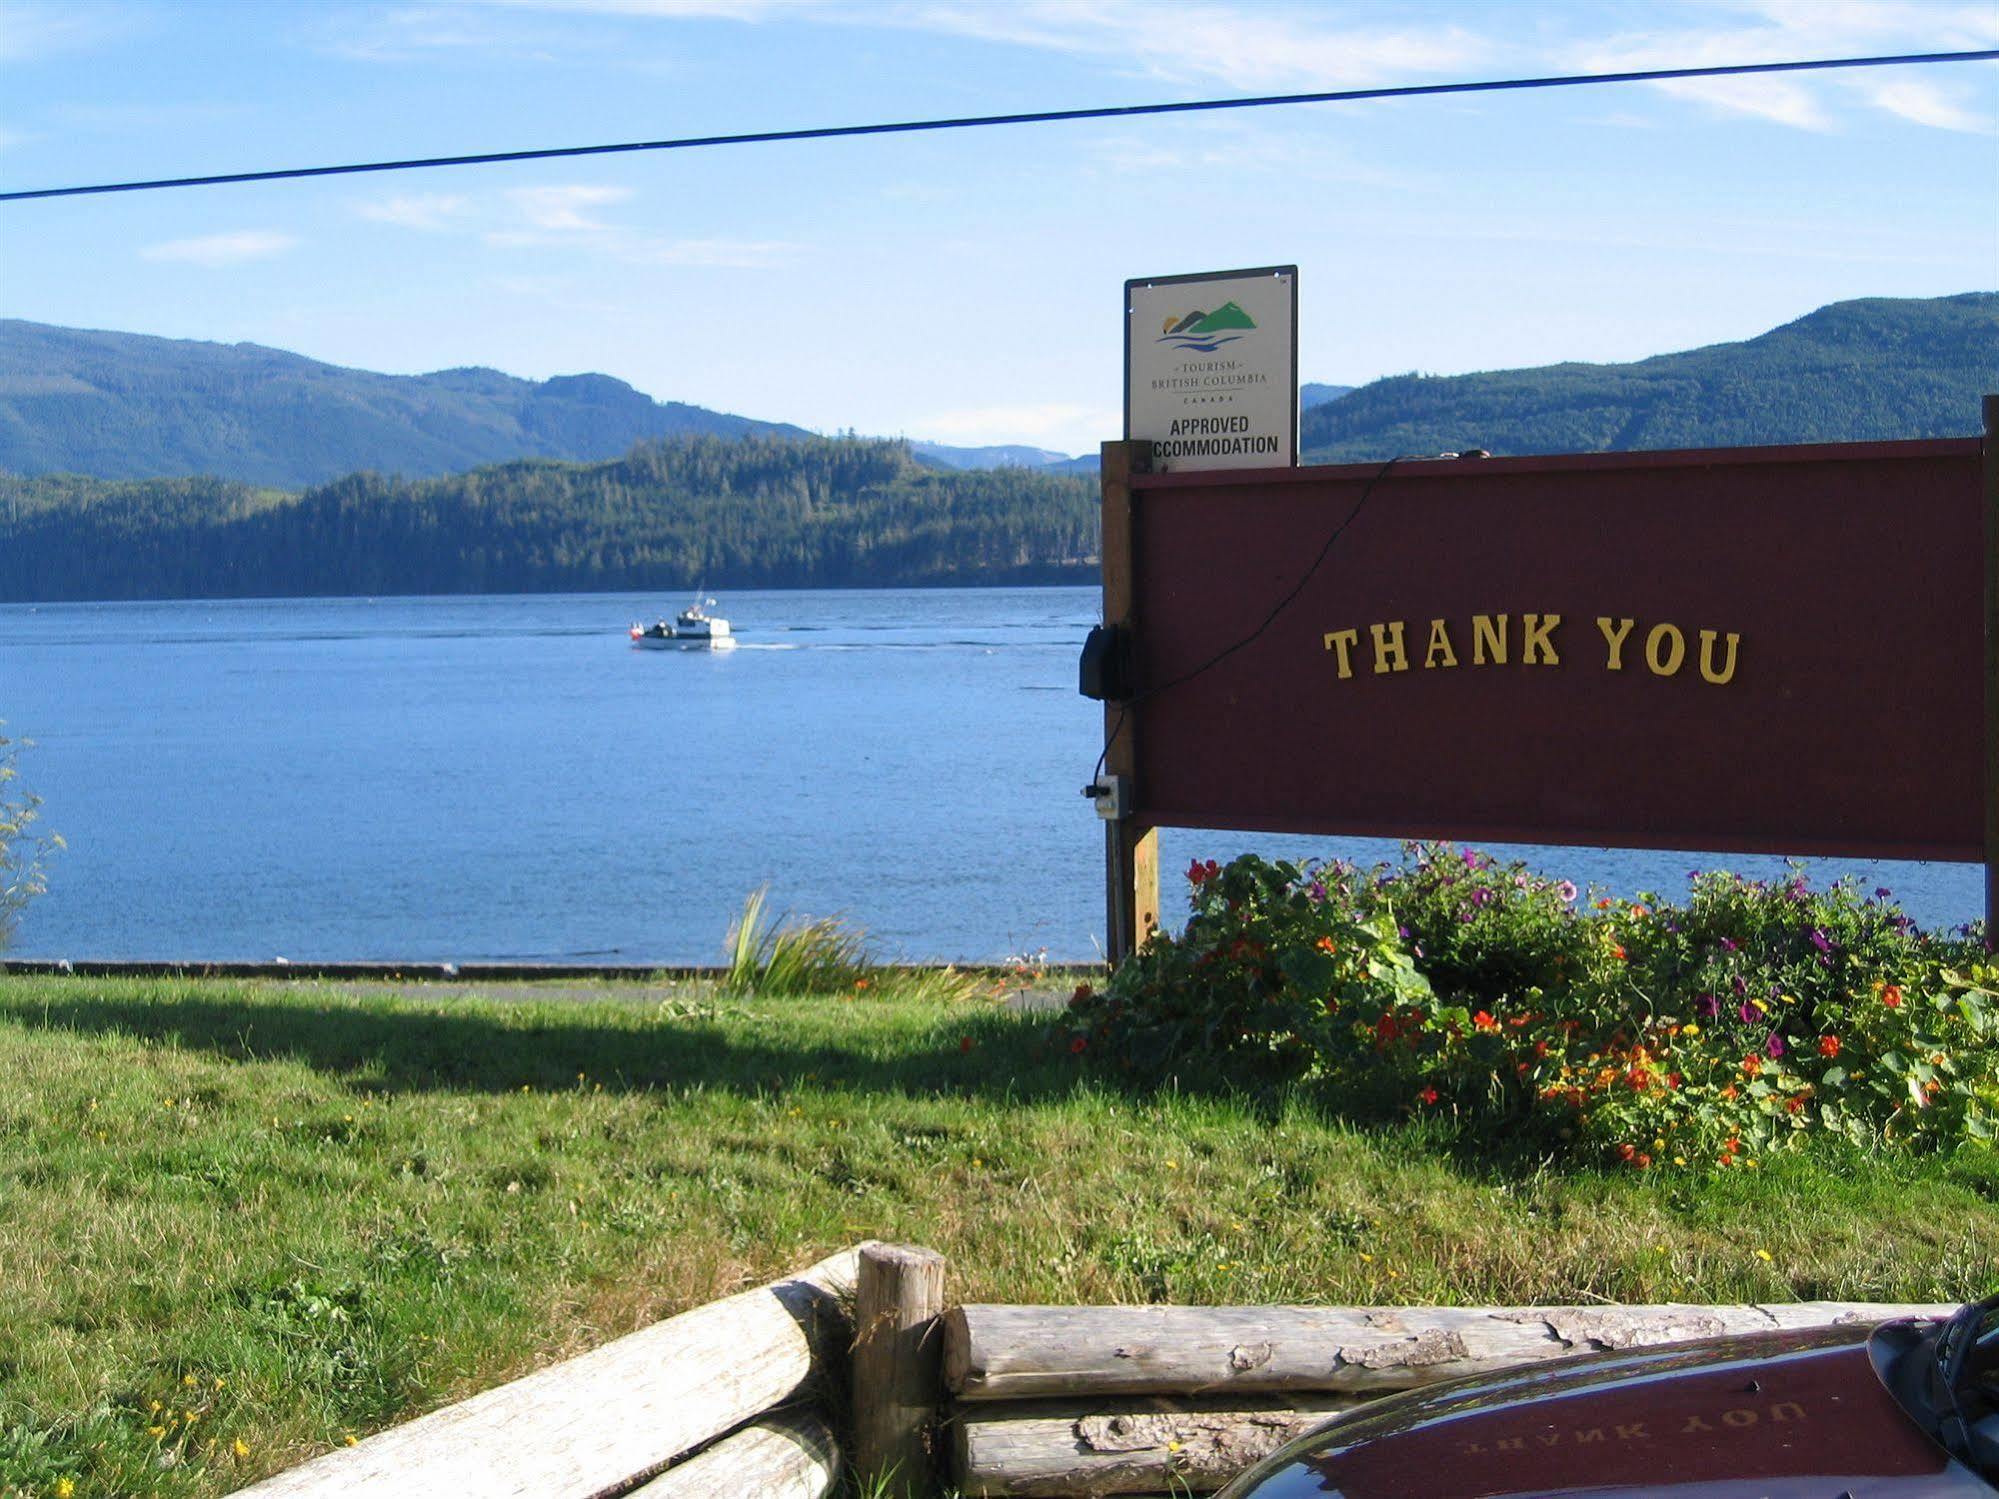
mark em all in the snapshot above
pixel 855 1372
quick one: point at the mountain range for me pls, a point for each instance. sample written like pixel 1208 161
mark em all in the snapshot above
pixel 131 406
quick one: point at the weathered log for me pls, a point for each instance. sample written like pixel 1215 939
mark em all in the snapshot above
pixel 789 1455
pixel 596 1423
pixel 1008 1352
pixel 1126 1447
pixel 897 1369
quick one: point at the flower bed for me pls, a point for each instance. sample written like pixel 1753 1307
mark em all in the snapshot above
pixel 1703 1033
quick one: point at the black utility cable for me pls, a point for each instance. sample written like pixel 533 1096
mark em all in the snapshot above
pixel 1043 117
pixel 1269 619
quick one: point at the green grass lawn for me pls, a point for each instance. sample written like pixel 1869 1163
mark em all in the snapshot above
pixel 239 1223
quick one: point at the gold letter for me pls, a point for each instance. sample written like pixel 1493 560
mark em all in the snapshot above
pixel 1739 1418
pixel 1670 663
pixel 1594 1434
pixel 1538 629
pixel 1483 635
pixel 1341 640
pixel 1635 1432
pixel 1695 1423
pixel 1440 644
pixel 1707 657
pixel 1614 639
pixel 1795 1410
pixel 1388 652
pixel 1510 1444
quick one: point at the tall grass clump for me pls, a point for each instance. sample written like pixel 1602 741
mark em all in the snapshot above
pixel 783 958
pixel 1748 1018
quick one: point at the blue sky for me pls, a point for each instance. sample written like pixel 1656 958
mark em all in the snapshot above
pixel 966 286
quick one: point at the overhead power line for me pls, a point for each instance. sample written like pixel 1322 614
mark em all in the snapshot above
pixel 1041 117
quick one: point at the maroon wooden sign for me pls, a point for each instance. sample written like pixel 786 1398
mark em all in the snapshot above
pixel 1772 650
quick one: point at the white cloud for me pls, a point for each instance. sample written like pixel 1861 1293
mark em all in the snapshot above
pixel 563 210
pixel 1718 33
pixel 30 31
pixel 1928 103
pixel 417 211
pixel 221 249
pixel 1781 100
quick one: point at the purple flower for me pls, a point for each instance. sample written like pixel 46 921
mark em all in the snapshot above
pixel 1470 857
pixel 1482 897
pixel 1403 931
pixel 1316 894
pixel 1709 1006
pixel 1774 1047
pixel 1821 941
pixel 1567 890
pixel 1729 944
pixel 1745 1012
pixel 1881 892
pixel 1740 987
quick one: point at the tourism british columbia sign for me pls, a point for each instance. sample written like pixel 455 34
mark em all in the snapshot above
pixel 1788 650
pixel 1211 368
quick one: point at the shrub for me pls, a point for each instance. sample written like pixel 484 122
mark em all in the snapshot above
pixel 1710 1032
pixel 21 850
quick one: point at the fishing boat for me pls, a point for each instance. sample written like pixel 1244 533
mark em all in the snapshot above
pixel 693 629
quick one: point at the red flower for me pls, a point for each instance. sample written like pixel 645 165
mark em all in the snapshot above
pixel 964 1043
pixel 1428 1095
pixel 1794 1105
pixel 1080 1043
pixel 1639 1079
pixel 1617 953
pixel 1892 997
pixel 1199 873
pixel 1483 1021
pixel 1828 1046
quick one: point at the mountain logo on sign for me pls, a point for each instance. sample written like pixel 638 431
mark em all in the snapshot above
pixel 1204 332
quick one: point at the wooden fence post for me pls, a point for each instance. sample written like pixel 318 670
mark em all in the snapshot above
pixel 1131 853
pixel 898 1368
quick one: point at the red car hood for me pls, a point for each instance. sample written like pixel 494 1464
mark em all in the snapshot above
pixel 1795 1415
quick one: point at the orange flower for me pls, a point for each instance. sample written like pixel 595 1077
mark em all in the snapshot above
pixel 1891 996
pixel 1794 1105
pixel 1828 1046
pixel 1327 944
pixel 1617 953
pixel 1751 1065
pixel 1639 912
pixel 1483 1021
pixel 1639 1079
pixel 1729 1091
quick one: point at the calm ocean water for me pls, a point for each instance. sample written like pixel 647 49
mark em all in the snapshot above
pixel 505 778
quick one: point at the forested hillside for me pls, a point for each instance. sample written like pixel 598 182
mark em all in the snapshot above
pixel 128 406
pixel 1850 372
pixel 756 512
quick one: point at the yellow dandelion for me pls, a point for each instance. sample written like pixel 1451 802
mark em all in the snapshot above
pixel 188 1380
pixel 1763 1255
pixel 156 1432
pixel 351 1440
pixel 65 1487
